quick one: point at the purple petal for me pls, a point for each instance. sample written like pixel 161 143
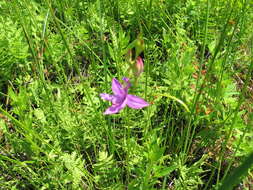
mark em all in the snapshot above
pixel 117 99
pixel 114 109
pixel 107 97
pixel 117 88
pixel 136 102
pixel 112 98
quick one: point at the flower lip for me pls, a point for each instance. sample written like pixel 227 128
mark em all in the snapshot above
pixel 117 87
pixel 127 84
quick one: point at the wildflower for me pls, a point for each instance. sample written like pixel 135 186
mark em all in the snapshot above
pixel 139 66
pixel 121 98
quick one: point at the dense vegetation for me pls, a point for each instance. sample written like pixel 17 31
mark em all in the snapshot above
pixel 58 56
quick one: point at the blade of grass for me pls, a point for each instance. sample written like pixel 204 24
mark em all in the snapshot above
pixel 235 178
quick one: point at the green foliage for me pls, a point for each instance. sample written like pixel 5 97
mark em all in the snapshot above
pixel 56 57
pixel 14 51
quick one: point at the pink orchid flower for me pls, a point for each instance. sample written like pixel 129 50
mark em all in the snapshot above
pixel 121 98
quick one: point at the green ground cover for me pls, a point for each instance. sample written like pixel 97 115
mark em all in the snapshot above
pixel 58 56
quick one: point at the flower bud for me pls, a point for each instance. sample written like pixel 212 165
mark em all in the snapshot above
pixel 139 66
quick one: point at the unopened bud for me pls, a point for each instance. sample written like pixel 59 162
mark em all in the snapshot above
pixel 139 66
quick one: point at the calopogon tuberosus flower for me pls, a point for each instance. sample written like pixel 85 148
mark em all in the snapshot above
pixel 120 97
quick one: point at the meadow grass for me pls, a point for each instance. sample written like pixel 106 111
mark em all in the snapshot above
pixel 58 56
